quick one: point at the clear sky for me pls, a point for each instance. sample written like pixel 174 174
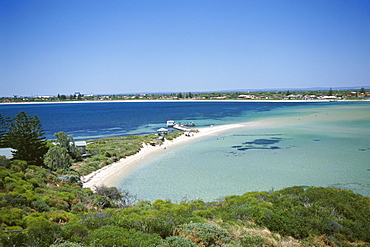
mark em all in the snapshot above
pixel 127 46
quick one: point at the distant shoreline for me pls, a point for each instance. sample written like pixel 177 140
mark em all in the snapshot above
pixel 173 101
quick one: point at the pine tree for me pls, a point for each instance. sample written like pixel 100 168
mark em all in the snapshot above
pixel 25 134
pixel 3 130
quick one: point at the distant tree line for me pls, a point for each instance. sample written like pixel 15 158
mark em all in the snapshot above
pixel 350 94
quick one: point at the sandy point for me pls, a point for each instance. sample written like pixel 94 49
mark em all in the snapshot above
pixel 108 175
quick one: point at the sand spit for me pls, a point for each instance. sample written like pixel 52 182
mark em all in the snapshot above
pixel 108 175
pixel 111 174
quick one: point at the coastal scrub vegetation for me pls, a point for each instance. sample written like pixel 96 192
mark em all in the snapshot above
pixel 41 208
pixel 105 151
pixel 24 134
pixel 46 205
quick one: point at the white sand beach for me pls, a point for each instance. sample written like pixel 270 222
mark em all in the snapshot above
pixel 108 175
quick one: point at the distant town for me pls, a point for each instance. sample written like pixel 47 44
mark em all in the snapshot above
pixel 330 94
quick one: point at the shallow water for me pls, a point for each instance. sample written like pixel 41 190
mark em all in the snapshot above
pixel 321 146
pixel 308 143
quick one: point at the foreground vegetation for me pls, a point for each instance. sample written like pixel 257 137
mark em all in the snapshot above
pixel 43 203
pixel 40 208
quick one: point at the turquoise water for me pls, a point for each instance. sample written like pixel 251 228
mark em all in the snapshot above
pixel 307 146
pixel 309 143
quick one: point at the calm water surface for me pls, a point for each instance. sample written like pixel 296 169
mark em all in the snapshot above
pixel 331 152
pixel 330 149
pixel 96 120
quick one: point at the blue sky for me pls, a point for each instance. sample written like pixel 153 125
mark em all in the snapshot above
pixel 127 46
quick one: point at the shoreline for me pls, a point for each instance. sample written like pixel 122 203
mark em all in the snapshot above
pixel 185 100
pixel 108 175
pixel 111 174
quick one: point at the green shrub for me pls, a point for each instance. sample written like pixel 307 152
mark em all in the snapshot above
pixel 78 208
pixel 108 236
pixel 163 226
pixel 97 220
pixel 98 157
pixel 75 232
pixel 176 242
pixel 43 232
pixel 11 217
pixel 40 206
pixel 16 239
pixel 68 244
pixel 203 233
pixel 95 165
pixel 251 241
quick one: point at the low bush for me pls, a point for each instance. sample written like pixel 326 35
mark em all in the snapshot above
pixel 204 234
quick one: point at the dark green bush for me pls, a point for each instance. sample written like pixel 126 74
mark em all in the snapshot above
pixel 40 206
pixel 75 232
pixel 108 236
pixel 95 221
pixel 163 226
pixel 43 232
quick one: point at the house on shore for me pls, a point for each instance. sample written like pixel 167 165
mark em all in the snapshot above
pixel 7 153
pixel 81 145
pixel 244 96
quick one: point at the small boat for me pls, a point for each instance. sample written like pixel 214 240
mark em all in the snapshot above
pixel 187 124
pixel 170 123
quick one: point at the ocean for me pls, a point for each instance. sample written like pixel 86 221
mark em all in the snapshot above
pixel 103 119
pixel 304 144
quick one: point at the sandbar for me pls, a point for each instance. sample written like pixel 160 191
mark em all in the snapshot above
pixel 108 175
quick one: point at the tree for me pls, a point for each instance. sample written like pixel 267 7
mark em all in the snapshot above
pixel 362 90
pixel 120 197
pixel 42 232
pixel 57 158
pixel 26 135
pixel 67 142
pixel 330 93
pixel 3 130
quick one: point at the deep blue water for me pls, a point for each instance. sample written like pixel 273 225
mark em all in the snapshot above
pixel 329 148
pixel 95 120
